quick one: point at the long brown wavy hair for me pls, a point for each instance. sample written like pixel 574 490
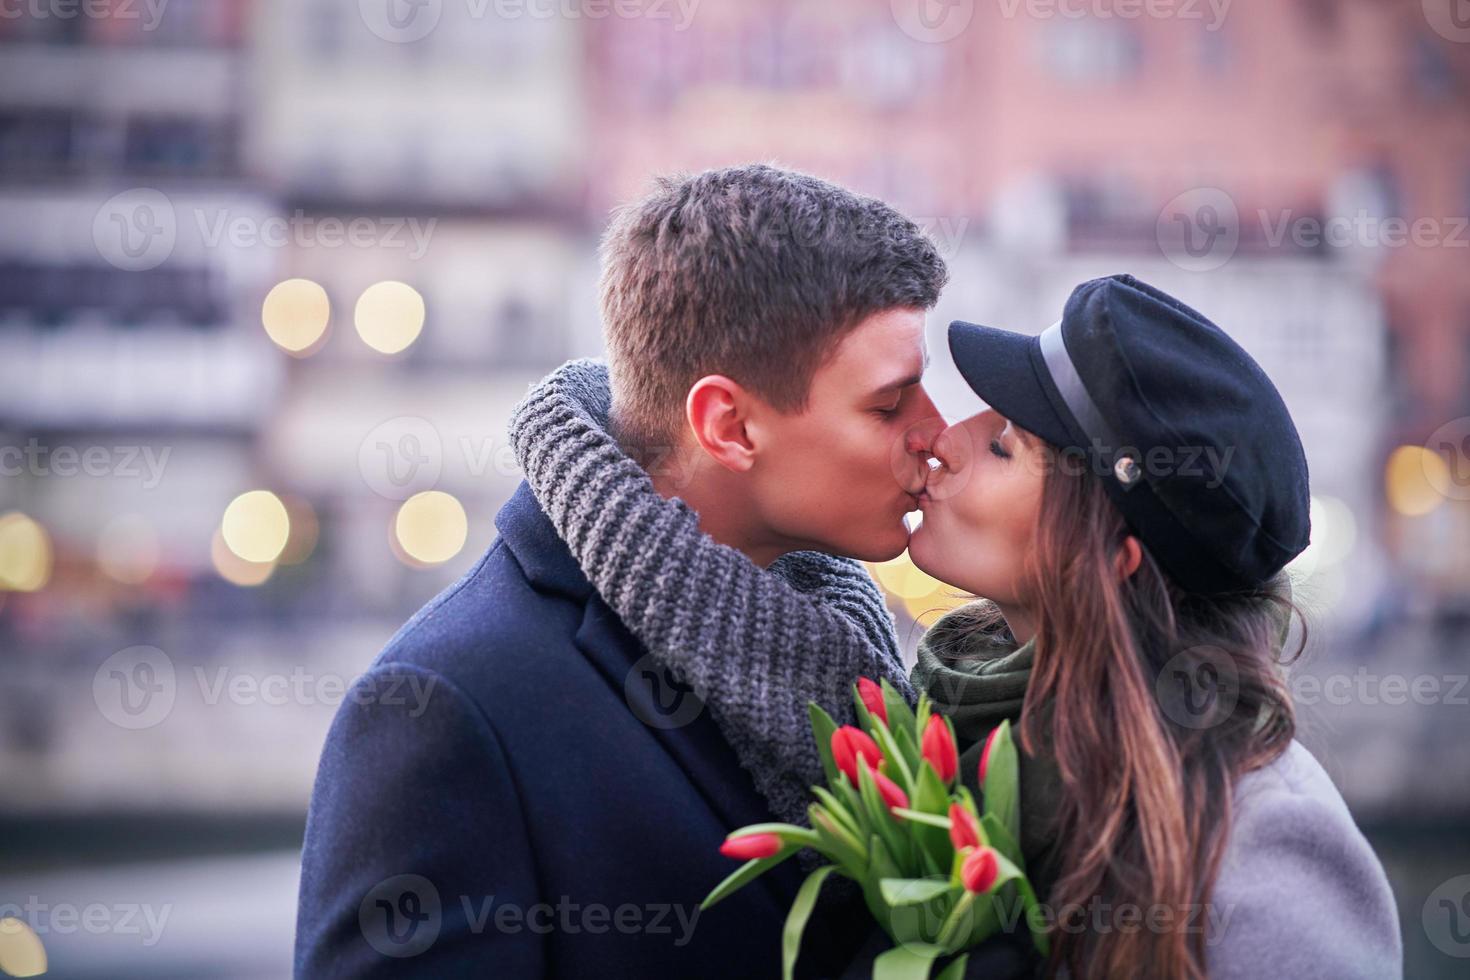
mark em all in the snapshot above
pixel 1153 701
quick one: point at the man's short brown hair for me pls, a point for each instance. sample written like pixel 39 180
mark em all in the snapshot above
pixel 753 272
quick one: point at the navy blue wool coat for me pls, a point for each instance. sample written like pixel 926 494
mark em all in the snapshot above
pixel 513 789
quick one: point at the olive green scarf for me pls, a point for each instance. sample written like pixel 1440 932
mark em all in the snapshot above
pixel 974 673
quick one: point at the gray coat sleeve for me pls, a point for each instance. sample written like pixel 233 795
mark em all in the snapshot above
pixel 755 644
pixel 1300 892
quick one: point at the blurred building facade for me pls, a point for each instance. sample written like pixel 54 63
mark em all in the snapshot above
pixel 292 246
pixel 163 184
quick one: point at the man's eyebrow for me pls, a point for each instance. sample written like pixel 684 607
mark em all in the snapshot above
pixel 912 379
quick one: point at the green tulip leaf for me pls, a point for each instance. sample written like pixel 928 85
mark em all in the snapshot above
pixel 1000 838
pixel 955 970
pixel 900 715
pixel 911 961
pixel 796 919
pixel 746 873
pixel 1001 792
pixel 912 891
pixel 925 818
pixel 822 728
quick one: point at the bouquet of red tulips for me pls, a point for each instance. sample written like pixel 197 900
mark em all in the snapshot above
pixel 937 871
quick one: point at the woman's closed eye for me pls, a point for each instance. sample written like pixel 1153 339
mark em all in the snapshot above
pixel 996 449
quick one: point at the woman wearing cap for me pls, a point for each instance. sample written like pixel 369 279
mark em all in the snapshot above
pixel 1126 507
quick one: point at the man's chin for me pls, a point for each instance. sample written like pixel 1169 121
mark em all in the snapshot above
pixel 884 545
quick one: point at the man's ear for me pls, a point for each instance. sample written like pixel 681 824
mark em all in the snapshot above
pixel 718 410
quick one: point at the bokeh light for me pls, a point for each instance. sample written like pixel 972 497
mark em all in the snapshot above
pixel 923 596
pixel 295 315
pixel 431 527
pixel 256 526
pixel 21 952
pixel 389 316
pixel 234 569
pixel 1411 478
pixel 301 541
pixel 25 553
pixel 1334 535
pixel 127 549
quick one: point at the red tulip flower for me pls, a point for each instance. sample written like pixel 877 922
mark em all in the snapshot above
pixel 938 747
pixel 751 846
pixel 963 832
pixel 872 696
pixel 985 753
pixel 890 792
pixel 850 744
pixel 980 870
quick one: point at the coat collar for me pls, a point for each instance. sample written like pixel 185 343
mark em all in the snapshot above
pixel 539 550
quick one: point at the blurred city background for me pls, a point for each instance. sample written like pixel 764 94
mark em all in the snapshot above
pixel 273 272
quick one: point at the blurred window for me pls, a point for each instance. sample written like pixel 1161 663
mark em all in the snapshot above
pixel 1214 52
pixel 37 142
pixel 180 145
pixel 50 295
pixel 323 28
pixel 1088 50
pixel 1321 16
pixel 1434 79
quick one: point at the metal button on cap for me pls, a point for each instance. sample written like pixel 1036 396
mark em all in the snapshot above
pixel 1126 470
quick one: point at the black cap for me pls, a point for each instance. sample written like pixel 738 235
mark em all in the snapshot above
pixel 1191 439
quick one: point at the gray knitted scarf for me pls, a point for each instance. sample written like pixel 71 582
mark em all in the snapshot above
pixel 754 644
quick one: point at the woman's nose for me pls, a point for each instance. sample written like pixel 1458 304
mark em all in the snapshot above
pixel 942 446
pixel 952 448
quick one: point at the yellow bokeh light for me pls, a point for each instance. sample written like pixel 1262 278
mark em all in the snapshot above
pixel 21 951
pixel 903 578
pixel 1410 479
pixel 256 526
pixel 234 569
pixel 304 531
pixel 389 316
pixel 25 553
pixel 923 596
pixel 127 549
pixel 431 527
pixel 295 315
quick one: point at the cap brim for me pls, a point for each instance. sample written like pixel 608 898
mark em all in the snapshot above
pixel 1004 369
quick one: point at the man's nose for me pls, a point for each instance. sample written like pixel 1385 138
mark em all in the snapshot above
pixel 922 433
